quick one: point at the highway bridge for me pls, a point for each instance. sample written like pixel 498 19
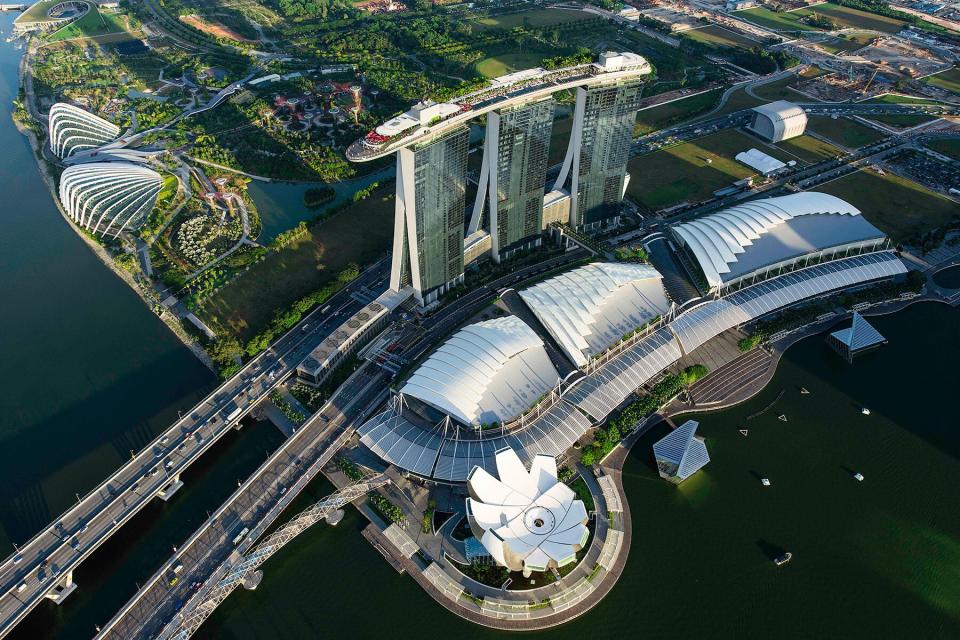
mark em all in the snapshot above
pixel 43 567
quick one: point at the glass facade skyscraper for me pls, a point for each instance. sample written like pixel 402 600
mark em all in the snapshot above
pixel 430 207
pixel 602 134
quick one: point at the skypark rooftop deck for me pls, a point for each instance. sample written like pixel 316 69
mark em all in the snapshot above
pixel 429 119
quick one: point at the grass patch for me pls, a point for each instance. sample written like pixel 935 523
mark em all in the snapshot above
pixel 902 120
pixel 665 115
pixel 949 148
pixel 717 36
pixel 846 43
pixel 809 149
pixel 738 100
pixel 778 90
pixel 787 21
pixel 535 18
pixel 853 18
pixel 37 11
pixel 93 23
pixel 901 208
pixel 894 98
pixel 949 79
pixel 844 132
pixel 358 234
pixel 691 171
pixel 508 63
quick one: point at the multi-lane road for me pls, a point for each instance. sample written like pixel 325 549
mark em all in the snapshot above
pixel 44 565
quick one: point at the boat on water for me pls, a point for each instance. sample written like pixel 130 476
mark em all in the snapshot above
pixel 782 417
pixel 803 390
pixel 765 482
pixel 865 411
pixel 743 432
pixel 858 476
pixel 784 559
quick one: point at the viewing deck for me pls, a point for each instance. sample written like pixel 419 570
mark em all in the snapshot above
pixel 508 91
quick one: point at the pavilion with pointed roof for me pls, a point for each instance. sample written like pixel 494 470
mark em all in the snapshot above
pixel 858 336
pixel 681 453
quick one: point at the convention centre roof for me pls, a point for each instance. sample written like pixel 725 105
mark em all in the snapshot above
pixel 590 308
pixel 487 372
pixel 527 520
pixel 753 236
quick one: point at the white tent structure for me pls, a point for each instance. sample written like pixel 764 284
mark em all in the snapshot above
pixel 778 121
pixel 527 520
pixel 487 372
pixel 590 308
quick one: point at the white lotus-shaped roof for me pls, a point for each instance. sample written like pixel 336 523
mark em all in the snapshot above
pixel 72 129
pixel 588 309
pixel 529 520
pixel 490 371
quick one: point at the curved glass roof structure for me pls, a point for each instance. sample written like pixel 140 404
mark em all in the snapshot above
pixel 738 242
pixel 106 198
pixel 73 129
pixel 490 371
pixel 527 520
pixel 681 451
pixel 590 308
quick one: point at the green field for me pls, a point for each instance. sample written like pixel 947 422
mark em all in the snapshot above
pixel 719 37
pixel 946 147
pixel 853 18
pixel 808 149
pixel 508 63
pixel 37 11
pixel 893 98
pixel 738 100
pixel 846 42
pixel 665 115
pixel 359 234
pixel 535 18
pixel 787 21
pixel 899 207
pixel 93 23
pixel 844 132
pixel 691 171
pixel 949 79
pixel 902 121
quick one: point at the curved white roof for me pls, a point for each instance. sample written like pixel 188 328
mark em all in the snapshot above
pixel 107 198
pixel 529 520
pixel 759 233
pixel 73 129
pixel 490 371
pixel 588 309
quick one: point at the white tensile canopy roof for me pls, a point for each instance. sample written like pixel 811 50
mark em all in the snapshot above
pixel 590 308
pixel 490 371
pixel 756 234
pixel 529 521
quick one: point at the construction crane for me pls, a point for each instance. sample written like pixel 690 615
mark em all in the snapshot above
pixel 870 81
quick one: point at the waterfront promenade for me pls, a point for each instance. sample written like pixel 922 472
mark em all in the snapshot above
pixel 43 567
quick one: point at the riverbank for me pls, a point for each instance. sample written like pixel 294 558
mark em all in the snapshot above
pixel 168 318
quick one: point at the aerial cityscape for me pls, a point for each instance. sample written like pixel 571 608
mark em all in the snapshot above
pixel 387 318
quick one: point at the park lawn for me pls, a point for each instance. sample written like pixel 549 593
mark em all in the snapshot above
pixel 843 131
pixel 902 120
pixel 787 21
pixel 949 79
pixel 946 147
pixel 508 63
pixel 899 207
pixel 717 36
pixel 359 234
pixel 37 11
pixel 682 173
pixel 853 18
pixel 895 98
pixel 671 113
pixel 808 149
pixel 534 18
pixel 738 100
pixel 93 23
pixel 778 90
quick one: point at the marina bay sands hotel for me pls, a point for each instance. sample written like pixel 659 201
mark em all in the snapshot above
pixel 433 237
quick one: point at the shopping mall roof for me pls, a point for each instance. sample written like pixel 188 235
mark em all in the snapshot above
pixel 590 308
pixel 750 237
pixel 487 372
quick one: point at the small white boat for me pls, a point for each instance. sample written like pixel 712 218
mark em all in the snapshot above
pixel 858 476
pixel 803 391
pixel 865 411
pixel 743 432
pixel 765 482
pixel 784 559
pixel 782 416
